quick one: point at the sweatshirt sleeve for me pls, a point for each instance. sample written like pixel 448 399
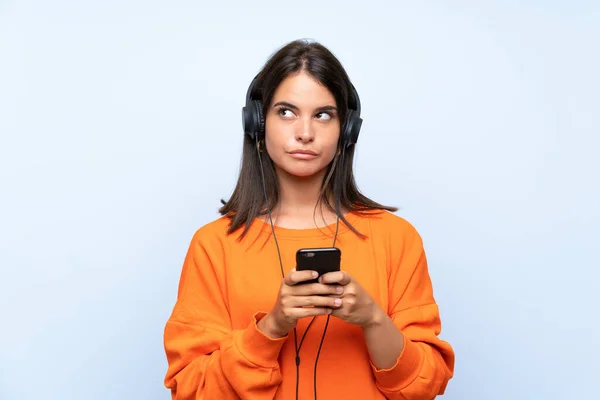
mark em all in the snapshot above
pixel 207 359
pixel 426 363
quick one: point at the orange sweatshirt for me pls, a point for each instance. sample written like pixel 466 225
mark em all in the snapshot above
pixel 216 352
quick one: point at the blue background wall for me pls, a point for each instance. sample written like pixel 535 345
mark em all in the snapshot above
pixel 120 132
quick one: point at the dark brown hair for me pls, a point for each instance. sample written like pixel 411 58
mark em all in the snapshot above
pixel 248 200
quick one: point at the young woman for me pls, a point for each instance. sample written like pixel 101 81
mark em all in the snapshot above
pixel 244 325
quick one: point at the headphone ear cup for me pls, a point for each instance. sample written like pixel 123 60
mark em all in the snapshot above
pixel 260 120
pixel 352 128
pixel 253 121
pixel 248 122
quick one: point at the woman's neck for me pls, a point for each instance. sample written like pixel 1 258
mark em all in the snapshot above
pixel 298 206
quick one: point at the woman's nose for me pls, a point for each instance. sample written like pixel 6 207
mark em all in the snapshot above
pixel 305 132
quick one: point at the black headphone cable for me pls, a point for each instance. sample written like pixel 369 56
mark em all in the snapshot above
pixel 262 172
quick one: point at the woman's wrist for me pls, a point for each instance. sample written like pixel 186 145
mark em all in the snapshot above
pixel 267 326
pixel 378 317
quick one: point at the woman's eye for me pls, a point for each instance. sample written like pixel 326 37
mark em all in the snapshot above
pixel 284 112
pixel 324 116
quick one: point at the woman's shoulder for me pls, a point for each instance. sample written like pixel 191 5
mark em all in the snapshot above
pixel 218 231
pixel 212 231
pixel 389 222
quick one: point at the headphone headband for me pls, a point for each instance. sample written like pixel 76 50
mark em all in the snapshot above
pixel 356 99
pixel 251 89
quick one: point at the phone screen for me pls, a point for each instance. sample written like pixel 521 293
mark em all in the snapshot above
pixel 320 259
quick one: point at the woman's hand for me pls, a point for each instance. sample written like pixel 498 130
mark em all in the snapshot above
pixel 358 307
pixel 296 300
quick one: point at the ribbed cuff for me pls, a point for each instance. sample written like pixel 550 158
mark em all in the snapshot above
pixel 405 370
pixel 257 347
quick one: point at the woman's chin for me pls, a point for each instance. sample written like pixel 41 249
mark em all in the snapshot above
pixel 302 173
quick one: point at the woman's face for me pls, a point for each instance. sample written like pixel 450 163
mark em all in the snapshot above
pixel 302 126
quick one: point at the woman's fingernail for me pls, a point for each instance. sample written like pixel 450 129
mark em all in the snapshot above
pixel 315 274
pixel 339 289
pixel 337 302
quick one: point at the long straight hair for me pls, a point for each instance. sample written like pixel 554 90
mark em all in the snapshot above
pixel 248 199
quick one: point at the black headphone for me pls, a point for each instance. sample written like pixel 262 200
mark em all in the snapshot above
pixel 254 121
pixel 254 126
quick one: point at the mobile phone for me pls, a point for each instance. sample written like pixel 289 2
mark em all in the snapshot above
pixel 320 259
